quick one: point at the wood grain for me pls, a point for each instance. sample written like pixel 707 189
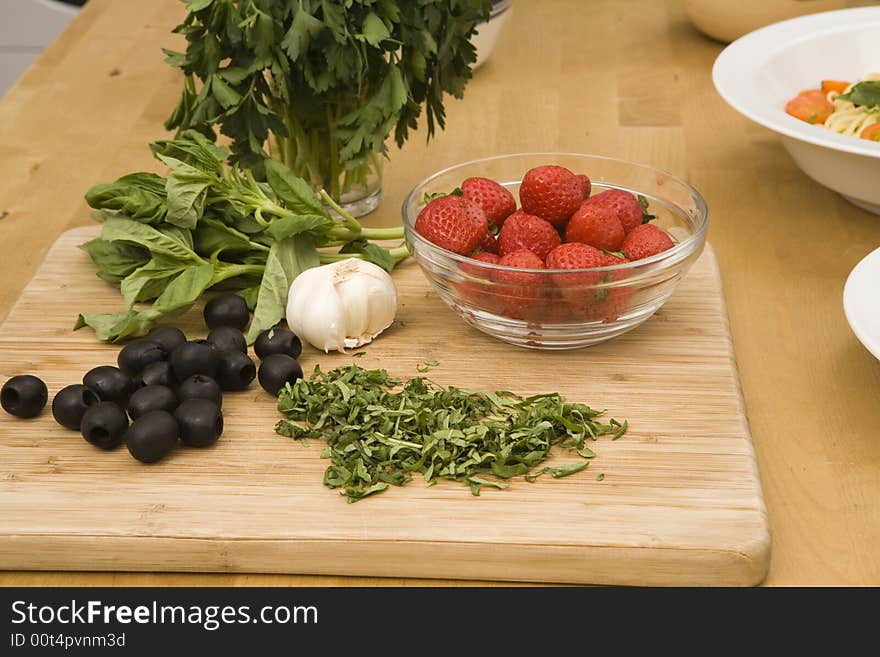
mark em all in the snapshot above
pixel 564 76
pixel 680 502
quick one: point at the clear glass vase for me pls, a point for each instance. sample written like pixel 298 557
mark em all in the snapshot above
pixel 313 155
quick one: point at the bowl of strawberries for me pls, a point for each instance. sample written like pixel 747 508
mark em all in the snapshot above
pixel 554 250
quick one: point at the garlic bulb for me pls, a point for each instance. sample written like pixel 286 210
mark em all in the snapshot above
pixel 341 305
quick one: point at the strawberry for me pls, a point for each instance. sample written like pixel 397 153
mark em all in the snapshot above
pixel 645 241
pixel 479 293
pixel 522 231
pixel 497 202
pixel 586 185
pixel 551 192
pixel 630 210
pixel 587 301
pixel 575 255
pixel 595 224
pixel 489 244
pixel 477 270
pixel 453 223
pixel 611 303
pixel 517 294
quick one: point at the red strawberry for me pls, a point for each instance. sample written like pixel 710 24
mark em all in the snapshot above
pixel 576 288
pixel 551 192
pixel 645 241
pixel 523 231
pixel 479 293
pixel 611 303
pixel 453 223
pixel 628 208
pixel 477 270
pixel 489 244
pixel 586 185
pixel 518 293
pixel 497 202
pixel 595 224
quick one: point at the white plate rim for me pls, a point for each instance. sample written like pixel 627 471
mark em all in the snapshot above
pixel 736 83
pixel 858 278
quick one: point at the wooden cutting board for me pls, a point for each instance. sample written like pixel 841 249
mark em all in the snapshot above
pixel 680 502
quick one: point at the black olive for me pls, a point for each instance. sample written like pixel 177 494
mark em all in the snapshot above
pixel 151 398
pixel 155 374
pixel 24 395
pixel 199 386
pixel 237 371
pixel 227 310
pixel 194 357
pixel 277 341
pixel 104 425
pixel 152 436
pixel 168 337
pixel 226 338
pixel 135 356
pixel 71 403
pixel 110 383
pixel 276 370
pixel 200 422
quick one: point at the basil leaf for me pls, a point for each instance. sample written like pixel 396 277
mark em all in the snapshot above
pixel 186 200
pixel 371 252
pixel 287 259
pixel 213 237
pixel 112 327
pixel 285 227
pixel 133 232
pixel 184 290
pixel 293 191
pixel 154 272
pixel 115 260
pixel 138 195
pixel 864 94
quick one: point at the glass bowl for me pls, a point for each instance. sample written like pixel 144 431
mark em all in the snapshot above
pixel 559 308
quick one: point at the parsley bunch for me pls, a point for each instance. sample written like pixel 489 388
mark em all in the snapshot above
pixel 380 430
pixel 328 80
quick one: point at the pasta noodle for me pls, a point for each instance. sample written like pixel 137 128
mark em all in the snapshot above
pixel 849 119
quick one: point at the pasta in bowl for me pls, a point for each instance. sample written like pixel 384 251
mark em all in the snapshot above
pixel 847 108
pixel 806 79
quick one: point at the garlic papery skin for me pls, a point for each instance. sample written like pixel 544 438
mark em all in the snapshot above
pixel 341 305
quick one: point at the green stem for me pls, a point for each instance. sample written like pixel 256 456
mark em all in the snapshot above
pixel 223 271
pixel 399 253
pixel 395 233
pixel 347 219
pixel 333 153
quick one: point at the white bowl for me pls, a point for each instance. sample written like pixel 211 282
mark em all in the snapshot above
pixel 758 73
pixel 861 303
pixel 487 33
pixel 725 20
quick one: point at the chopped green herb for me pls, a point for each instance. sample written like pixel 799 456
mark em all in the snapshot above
pixel 428 364
pixel 381 430
pixel 812 118
pixel 359 354
pixel 600 476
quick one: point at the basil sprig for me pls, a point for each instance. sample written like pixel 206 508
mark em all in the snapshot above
pixel 208 225
pixel 380 430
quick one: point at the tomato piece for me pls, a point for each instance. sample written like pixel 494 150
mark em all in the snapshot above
pixel 871 133
pixel 811 106
pixel 834 85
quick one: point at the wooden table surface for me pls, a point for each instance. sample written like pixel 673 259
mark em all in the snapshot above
pixel 627 79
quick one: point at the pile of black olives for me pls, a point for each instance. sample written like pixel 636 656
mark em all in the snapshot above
pixel 165 389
